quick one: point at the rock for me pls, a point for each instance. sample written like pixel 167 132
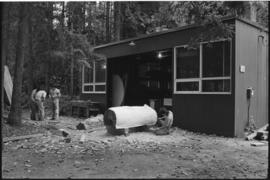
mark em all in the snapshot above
pixel 6 170
pixel 82 139
pixel 64 132
pixel 43 150
pixel 28 165
pixel 81 126
pixel 261 135
pixel 67 140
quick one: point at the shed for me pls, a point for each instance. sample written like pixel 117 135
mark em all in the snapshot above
pixel 207 87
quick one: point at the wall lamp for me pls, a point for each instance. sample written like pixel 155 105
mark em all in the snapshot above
pixel 132 43
pixel 161 54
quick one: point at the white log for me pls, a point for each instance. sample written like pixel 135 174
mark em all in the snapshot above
pixel 134 116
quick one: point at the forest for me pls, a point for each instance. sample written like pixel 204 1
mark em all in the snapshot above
pixel 50 41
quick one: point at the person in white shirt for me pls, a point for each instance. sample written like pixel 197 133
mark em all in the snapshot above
pixel 40 98
pixel 37 100
pixel 55 95
pixel 165 121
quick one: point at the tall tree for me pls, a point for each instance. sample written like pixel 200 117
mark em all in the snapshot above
pixel 14 117
pixel 108 35
pixel 117 21
pixel 31 60
pixel 4 31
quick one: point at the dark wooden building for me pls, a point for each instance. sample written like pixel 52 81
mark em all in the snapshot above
pixel 207 87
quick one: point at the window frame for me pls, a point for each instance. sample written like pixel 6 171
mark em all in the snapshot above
pixel 94 83
pixel 201 78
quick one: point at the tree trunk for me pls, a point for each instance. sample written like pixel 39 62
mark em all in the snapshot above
pixel 31 59
pixel 71 71
pixel 84 18
pixel 50 46
pixel 117 21
pixel 4 20
pixel 62 21
pixel 108 22
pixel 14 117
pixel 72 64
pixel 253 11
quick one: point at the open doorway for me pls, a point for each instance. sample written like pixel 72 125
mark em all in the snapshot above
pixel 141 79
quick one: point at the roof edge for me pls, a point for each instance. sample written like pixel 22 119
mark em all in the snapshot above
pixel 144 36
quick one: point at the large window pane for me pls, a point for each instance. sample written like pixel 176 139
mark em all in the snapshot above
pixel 216 59
pixel 88 74
pixel 216 85
pixel 100 88
pixel 187 86
pixel 187 63
pixel 100 71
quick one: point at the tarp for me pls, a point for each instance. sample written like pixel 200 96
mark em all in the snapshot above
pixel 134 116
pixel 118 91
pixel 8 85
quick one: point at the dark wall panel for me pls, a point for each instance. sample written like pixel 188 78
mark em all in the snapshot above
pixel 207 113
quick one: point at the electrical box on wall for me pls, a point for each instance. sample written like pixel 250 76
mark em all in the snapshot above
pixel 250 92
pixel 242 68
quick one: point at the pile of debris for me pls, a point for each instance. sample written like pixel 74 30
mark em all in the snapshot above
pixel 259 135
pixel 91 122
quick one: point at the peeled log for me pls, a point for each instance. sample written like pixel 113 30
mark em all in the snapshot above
pixel 124 117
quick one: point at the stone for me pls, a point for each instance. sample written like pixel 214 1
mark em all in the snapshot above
pixel 81 126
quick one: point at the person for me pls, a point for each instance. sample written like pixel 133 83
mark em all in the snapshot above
pixel 33 104
pixel 165 121
pixel 55 95
pixel 38 97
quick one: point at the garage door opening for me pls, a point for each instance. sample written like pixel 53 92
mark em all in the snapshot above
pixel 140 79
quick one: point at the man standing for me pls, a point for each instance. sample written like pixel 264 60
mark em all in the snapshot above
pixel 55 96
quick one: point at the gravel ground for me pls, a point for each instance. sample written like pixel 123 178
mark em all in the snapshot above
pixel 181 154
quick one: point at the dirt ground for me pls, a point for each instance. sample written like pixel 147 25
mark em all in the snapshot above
pixel 181 154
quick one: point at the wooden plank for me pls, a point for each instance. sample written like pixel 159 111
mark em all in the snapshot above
pixel 258 144
pixel 8 84
pixel 16 138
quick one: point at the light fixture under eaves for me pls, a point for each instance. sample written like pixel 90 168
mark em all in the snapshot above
pixel 159 55
pixel 162 54
pixel 132 43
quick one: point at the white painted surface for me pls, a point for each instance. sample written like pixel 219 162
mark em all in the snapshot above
pixel 134 116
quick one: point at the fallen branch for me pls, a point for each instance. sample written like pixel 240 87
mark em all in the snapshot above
pixel 16 138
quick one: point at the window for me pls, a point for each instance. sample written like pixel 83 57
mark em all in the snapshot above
pixel 206 69
pixel 93 79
